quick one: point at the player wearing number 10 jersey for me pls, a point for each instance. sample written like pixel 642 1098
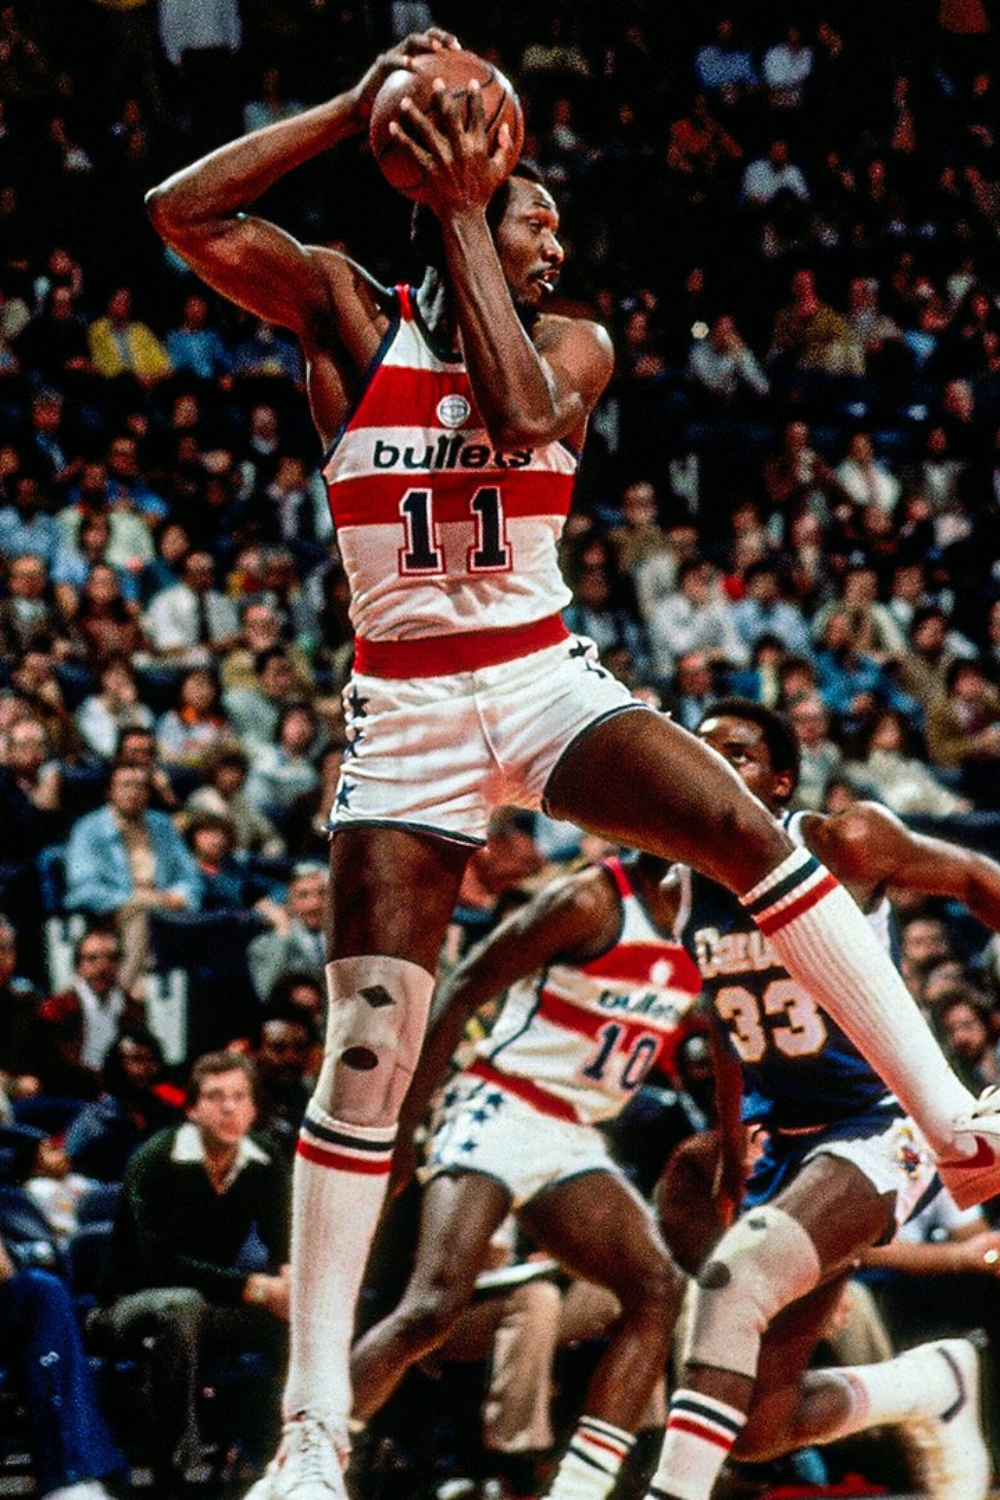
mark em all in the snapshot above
pixel 595 992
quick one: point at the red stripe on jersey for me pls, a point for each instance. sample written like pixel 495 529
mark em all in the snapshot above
pixel 463 651
pixel 375 499
pixel 635 963
pixel 362 1166
pixel 804 903
pixel 399 388
pixel 588 1023
pixel 523 1088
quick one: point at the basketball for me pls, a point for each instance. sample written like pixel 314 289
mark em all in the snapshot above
pixel 458 70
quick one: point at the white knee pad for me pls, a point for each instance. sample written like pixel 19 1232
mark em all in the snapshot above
pixel 377 1017
pixel 763 1263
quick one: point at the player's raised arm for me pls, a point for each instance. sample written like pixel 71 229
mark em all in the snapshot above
pixel 569 919
pixel 536 377
pixel 869 848
pixel 200 210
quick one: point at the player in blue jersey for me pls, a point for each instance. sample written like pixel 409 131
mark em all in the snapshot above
pixel 842 1166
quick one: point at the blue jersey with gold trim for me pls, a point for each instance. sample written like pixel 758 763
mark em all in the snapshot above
pixel 799 1067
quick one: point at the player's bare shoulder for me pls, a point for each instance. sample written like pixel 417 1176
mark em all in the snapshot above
pixel 556 335
pixel 356 308
pixel 581 357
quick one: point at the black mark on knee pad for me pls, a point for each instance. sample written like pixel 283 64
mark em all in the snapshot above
pixel 715 1277
pixel 755 1223
pixel 362 1058
pixel 377 996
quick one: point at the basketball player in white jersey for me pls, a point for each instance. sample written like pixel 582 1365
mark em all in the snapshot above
pixel 453 415
pixel 598 992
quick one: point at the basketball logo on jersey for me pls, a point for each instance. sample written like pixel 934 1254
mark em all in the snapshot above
pixel 453 410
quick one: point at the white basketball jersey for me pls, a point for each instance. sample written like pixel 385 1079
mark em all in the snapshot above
pixel 440 532
pixel 577 1041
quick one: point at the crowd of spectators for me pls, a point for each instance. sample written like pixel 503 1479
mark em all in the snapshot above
pixel 788 218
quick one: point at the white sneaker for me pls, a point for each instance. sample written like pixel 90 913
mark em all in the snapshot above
pixel 953 1459
pixel 308 1464
pixel 974 1178
pixel 84 1489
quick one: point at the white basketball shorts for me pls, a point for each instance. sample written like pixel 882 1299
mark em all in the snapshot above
pixel 480 1127
pixel 439 754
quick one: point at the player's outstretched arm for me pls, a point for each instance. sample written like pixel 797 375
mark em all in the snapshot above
pixel 869 848
pixel 570 919
pixel 199 211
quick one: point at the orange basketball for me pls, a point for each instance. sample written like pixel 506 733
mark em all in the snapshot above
pixel 457 69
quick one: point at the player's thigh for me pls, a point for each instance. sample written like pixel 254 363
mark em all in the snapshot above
pixel 392 891
pixel 459 1215
pixel 640 779
pixel 839 1208
pixel 598 1227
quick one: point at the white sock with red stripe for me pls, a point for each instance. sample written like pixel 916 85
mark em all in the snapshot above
pixel 825 942
pixel 591 1463
pixel 699 1438
pixel 338 1187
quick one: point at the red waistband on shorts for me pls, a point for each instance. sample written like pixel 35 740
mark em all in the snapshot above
pixel 523 1088
pixel 465 651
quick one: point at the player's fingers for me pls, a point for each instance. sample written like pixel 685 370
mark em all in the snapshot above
pixel 505 142
pixel 420 135
pixel 434 39
pixel 475 115
pixel 428 130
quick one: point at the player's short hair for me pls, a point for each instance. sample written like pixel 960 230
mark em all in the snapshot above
pixel 425 231
pixel 780 738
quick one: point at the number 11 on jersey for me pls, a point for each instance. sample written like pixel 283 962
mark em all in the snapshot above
pixel 423 554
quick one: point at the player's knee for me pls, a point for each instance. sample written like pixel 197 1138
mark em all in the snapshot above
pixel 378 1012
pixel 652 1296
pixel 763 1263
pixel 427 1316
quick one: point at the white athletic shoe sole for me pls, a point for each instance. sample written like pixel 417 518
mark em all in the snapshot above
pixel 953 1459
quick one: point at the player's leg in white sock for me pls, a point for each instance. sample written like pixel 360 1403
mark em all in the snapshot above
pixel 378 1012
pixel 825 942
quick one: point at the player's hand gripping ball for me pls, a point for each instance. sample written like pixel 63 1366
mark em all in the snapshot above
pixel 457 69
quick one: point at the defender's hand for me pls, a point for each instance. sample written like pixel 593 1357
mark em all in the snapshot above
pixel 434 39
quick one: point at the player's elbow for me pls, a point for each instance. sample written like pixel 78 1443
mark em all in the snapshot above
pixel 516 431
pixel 169 210
pixel 159 209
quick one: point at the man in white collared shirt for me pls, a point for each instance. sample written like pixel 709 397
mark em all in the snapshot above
pixel 192 622
pixel 78 1025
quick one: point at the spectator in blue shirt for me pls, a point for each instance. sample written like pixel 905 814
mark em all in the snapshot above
pixel 763 611
pixel 25 528
pixel 123 861
pixel 195 347
pixel 724 67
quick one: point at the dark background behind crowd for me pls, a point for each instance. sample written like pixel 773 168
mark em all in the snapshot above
pixel 787 215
